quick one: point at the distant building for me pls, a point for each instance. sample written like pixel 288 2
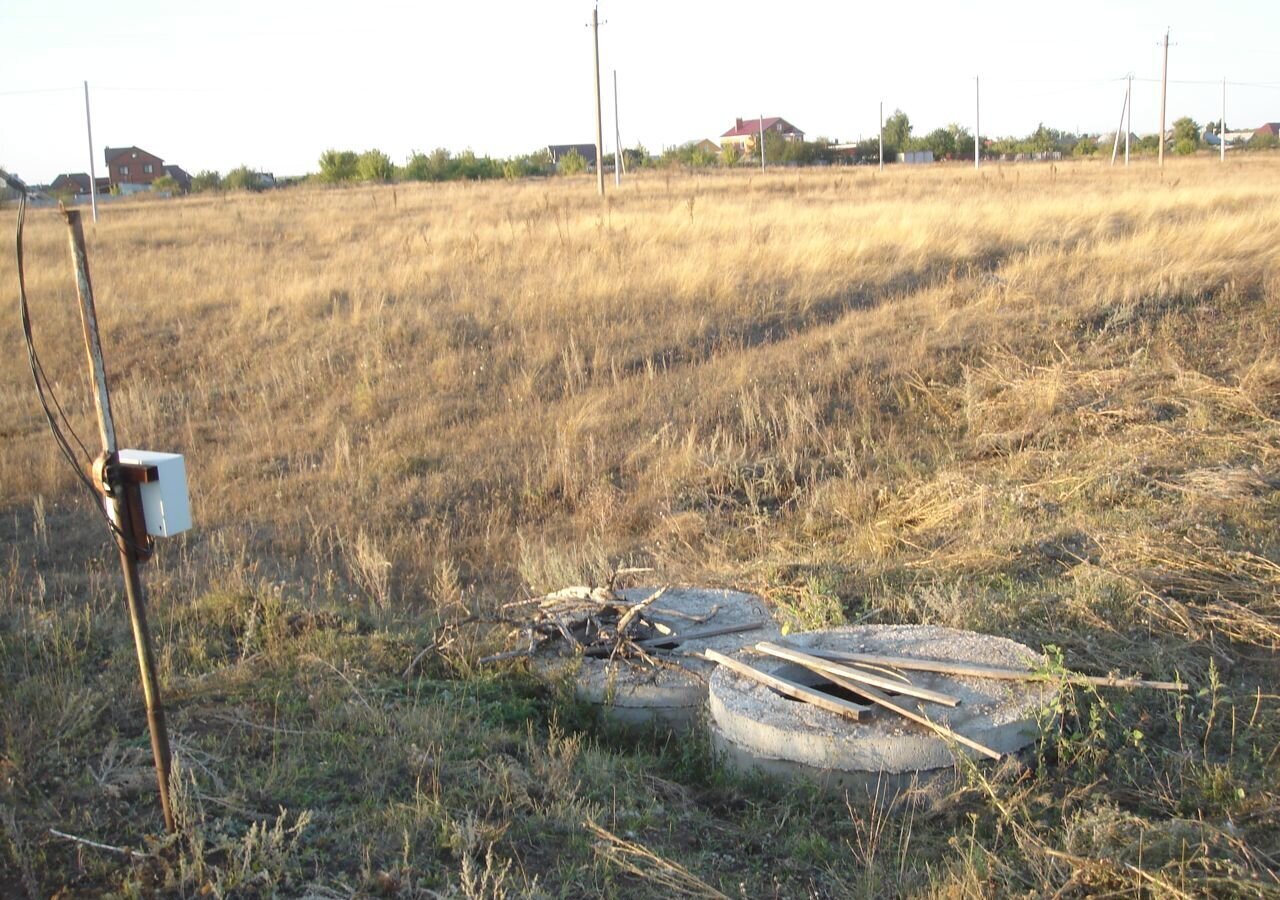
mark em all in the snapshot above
pixel 745 132
pixel 1268 129
pixel 132 169
pixel 916 157
pixel 708 146
pixel 76 184
pixel 560 151
pixel 180 175
pixel 1237 137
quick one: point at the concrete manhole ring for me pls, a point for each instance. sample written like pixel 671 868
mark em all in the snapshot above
pixel 672 695
pixel 754 727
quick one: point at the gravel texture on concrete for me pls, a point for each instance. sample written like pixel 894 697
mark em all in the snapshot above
pixel 756 727
pixel 673 694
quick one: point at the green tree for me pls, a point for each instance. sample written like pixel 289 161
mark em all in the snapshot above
pixel 374 165
pixel 1086 146
pixel 242 178
pixel 207 180
pixel 338 165
pixel 1262 141
pixel 730 155
pixel 166 184
pixel 897 133
pixel 572 163
pixel 942 142
pixel 1186 136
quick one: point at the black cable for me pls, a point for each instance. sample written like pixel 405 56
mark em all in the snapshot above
pixel 44 387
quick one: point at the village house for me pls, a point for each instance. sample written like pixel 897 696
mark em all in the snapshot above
pixel 745 132
pixel 132 169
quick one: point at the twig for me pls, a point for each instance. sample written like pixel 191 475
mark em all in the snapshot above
pixel 629 616
pixel 508 654
pixel 124 851
pixel 355 690
pixel 644 863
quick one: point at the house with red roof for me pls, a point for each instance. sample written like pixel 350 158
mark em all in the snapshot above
pixel 745 132
pixel 1268 128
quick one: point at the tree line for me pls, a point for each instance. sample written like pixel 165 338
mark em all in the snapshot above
pixel 953 141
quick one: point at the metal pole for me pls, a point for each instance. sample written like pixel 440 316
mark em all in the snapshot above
pixel 1115 144
pixel 1222 124
pixel 93 176
pixel 617 136
pixel 762 142
pixel 1128 121
pixel 977 119
pixel 118 510
pixel 881 135
pixel 595 35
pixel 1164 93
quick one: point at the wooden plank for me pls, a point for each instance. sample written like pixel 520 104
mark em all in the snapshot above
pixel 977 670
pixel 790 688
pixel 705 633
pixel 831 668
pixel 881 700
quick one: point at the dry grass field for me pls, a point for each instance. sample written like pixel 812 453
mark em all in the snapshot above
pixel 1040 401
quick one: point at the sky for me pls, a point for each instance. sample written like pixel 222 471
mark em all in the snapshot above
pixel 272 84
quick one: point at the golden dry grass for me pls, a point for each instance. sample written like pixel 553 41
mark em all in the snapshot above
pixel 1039 400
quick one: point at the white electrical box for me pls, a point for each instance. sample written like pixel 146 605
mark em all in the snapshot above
pixel 165 502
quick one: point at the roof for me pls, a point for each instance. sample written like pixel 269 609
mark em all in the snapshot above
pixel 112 153
pixel 79 179
pixel 1269 128
pixel 745 127
pixel 586 151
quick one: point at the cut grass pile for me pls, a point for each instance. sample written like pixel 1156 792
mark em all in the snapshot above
pixel 1036 401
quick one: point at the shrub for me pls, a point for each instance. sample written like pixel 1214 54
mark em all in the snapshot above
pixel 338 165
pixel 166 183
pixel 374 165
pixel 208 180
pixel 242 178
pixel 572 163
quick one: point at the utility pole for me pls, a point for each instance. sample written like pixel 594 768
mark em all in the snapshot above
pixel 1222 124
pixel 881 135
pixel 109 471
pixel 1164 93
pixel 595 35
pixel 1128 122
pixel 977 119
pixel 762 142
pixel 1115 144
pixel 93 176
pixel 617 136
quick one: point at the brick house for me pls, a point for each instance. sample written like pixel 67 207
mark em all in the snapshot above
pixel 745 132
pixel 76 184
pixel 132 169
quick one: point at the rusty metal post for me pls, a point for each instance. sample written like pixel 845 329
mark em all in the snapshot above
pixel 118 511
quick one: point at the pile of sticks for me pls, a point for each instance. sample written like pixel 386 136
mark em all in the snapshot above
pixel 598 622
pixel 871 676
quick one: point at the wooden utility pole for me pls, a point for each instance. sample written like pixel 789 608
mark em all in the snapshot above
pixel 1115 144
pixel 93 177
pixel 1164 93
pixel 595 36
pixel 118 510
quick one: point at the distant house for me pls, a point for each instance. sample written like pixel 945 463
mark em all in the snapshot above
pixel 1271 129
pixel 1238 137
pixel 132 169
pixel 707 146
pixel 180 175
pixel 76 184
pixel 745 132
pixel 560 151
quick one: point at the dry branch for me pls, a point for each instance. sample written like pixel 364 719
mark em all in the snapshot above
pixel 789 688
pixel 974 670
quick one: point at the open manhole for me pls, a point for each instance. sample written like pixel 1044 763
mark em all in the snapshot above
pixel 756 727
pixel 674 693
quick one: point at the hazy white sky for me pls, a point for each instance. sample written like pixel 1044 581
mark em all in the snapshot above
pixel 273 83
